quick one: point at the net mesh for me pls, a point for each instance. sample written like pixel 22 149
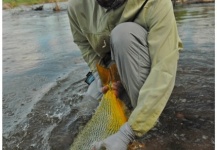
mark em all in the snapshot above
pixel 107 120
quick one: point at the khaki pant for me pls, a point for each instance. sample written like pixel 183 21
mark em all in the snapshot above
pixel 129 49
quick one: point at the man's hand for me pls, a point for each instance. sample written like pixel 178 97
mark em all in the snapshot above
pixel 117 141
pixel 94 89
pixel 116 86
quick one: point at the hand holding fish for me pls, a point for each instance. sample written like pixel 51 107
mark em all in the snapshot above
pixel 116 86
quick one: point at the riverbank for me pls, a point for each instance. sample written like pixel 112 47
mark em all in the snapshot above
pixel 9 4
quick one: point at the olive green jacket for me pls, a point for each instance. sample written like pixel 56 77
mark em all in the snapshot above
pixel 91 26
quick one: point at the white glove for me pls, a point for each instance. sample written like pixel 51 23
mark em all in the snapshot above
pixel 117 141
pixel 94 89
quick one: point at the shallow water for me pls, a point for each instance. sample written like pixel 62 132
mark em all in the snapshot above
pixel 37 51
pixel 43 78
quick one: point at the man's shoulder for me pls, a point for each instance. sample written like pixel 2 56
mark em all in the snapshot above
pixel 81 3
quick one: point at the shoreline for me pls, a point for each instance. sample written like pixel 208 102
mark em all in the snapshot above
pixel 6 6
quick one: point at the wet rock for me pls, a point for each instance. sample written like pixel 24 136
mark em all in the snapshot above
pixel 205 137
pixel 34 89
pixel 180 115
pixel 57 8
pixel 7 6
pixel 183 100
pixel 10 113
pixel 39 8
pixel 213 141
pixel 135 145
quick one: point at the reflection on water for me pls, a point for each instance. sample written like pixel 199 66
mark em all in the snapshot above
pixel 43 68
pixel 38 49
pixel 33 39
pixel 196 29
pixel 193 12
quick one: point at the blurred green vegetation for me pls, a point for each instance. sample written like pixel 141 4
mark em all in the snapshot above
pixel 15 3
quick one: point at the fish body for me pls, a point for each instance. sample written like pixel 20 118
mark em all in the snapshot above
pixel 108 118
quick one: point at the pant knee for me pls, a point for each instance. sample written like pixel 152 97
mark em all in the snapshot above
pixel 130 52
pixel 120 35
pixel 126 33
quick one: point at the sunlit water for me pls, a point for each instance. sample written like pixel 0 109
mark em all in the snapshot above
pixel 43 69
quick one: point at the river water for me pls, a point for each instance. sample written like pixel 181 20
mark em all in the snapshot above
pixel 43 74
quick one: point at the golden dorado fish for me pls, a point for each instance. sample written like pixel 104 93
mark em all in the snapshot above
pixel 107 120
pixel 109 116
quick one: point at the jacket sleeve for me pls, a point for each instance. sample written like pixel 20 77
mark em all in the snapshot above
pixel 164 46
pixel 80 39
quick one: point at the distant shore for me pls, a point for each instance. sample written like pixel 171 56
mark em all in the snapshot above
pixel 10 5
pixel 191 1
